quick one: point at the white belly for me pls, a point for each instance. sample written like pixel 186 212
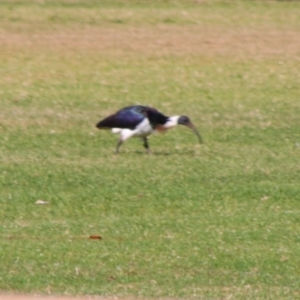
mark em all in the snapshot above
pixel 143 129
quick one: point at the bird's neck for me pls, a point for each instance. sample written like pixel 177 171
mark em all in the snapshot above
pixel 172 121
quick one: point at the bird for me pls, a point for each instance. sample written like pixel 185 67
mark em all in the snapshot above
pixel 142 121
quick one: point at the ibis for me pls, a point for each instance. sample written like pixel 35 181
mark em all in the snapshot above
pixel 142 121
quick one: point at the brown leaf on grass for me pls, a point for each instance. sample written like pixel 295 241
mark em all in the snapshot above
pixel 95 237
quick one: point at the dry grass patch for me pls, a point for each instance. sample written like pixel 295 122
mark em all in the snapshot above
pixel 162 40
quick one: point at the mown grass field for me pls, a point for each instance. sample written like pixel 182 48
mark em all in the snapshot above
pixel 213 221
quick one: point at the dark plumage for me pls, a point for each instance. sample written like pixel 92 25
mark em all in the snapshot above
pixel 128 117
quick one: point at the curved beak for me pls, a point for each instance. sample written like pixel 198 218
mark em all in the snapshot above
pixel 191 125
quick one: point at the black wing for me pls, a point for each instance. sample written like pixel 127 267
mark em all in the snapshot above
pixel 128 117
pixel 155 117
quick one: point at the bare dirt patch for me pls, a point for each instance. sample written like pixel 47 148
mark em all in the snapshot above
pixel 37 297
pixel 168 40
pixel 40 297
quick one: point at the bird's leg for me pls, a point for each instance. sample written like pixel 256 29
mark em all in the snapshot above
pixel 146 145
pixel 118 145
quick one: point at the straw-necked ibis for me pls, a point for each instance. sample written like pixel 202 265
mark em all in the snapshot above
pixel 141 121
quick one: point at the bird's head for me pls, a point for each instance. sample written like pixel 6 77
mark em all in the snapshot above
pixel 184 120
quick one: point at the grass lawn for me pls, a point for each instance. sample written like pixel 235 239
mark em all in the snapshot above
pixel 214 221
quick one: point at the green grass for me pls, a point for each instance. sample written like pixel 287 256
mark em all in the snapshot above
pixel 190 221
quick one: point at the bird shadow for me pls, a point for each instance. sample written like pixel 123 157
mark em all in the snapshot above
pixel 167 153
